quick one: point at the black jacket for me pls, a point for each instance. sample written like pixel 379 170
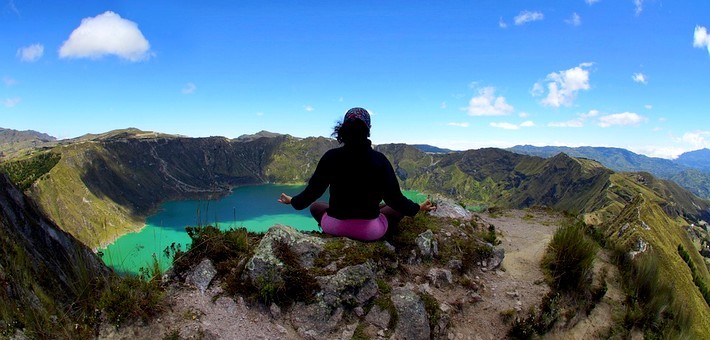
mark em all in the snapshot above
pixel 359 179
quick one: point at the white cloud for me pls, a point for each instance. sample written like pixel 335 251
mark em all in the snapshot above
pixel 639 6
pixel 8 81
pixel 701 38
pixel 11 102
pixel 511 126
pixel 697 139
pixel 574 20
pixel 648 106
pixel 502 23
pixel 506 126
pixel 308 108
pixel 527 16
pixel 463 125
pixel 591 2
pixel 30 53
pixel 574 123
pixel 487 104
pixel 563 86
pixel 443 105
pixel 259 114
pixel 624 118
pixel 523 114
pixel 659 151
pixel 189 88
pixel 106 34
pixel 577 122
pixel 640 78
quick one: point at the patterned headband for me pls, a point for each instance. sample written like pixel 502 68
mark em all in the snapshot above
pixel 358 113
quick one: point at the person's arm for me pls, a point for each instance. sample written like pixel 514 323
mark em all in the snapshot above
pixel 316 186
pixel 393 195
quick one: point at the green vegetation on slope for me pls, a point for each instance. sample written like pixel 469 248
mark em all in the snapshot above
pixel 25 171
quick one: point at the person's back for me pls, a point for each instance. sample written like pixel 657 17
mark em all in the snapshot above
pixel 359 179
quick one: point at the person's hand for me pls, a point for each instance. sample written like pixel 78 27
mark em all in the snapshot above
pixel 427 206
pixel 285 199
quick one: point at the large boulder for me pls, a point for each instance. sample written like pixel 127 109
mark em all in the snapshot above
pixel 353 286
pixel 202 275
pixel 265 265
pixel 447 208
pixel 413 320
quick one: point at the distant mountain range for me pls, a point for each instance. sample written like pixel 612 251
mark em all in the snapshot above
pixel 691 170
pixel 699 159
pixel 432 149
pixel 14 142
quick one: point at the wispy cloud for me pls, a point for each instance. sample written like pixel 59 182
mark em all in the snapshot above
pixel 443 105
pixel 308 108
pixel 502 23
pixel 668 152
pixel 30 53
pixel 106 34
pixel 189 88
pixel 563 86
pixel 701 38
pixel 8 81
pixel 487 104
pixel 11 102
pixel 697 139
pixel 622 119
pixel 574 20
pixel 527 16
pixel 577 122
pixel 648 106
pixel 12 7
pixel 591 2
pixel 640 78
pixel 511 126
pixel 463 125
pixel 638 4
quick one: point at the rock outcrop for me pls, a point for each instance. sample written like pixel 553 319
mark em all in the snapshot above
pixel 351 281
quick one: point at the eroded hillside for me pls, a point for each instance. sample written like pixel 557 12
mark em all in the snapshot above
pixel 103 186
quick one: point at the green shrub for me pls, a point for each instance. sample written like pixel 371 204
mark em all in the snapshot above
pixel 131 297
pixel 651 304
pixel 569 258
pixel 24 172
pixel 697 278
pixel 537 322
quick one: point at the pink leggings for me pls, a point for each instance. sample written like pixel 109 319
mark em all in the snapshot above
pixel 364 230
pixel 358 229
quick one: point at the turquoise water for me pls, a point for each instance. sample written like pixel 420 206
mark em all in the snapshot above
pixel 252 207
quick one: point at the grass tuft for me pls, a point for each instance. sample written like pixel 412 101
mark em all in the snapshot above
pixel 569 258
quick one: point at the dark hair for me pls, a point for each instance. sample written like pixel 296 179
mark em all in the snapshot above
pixel 351 132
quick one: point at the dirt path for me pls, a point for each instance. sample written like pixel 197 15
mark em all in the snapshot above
pixel 519 284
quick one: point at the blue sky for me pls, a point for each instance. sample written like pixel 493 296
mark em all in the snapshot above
pixel 456 74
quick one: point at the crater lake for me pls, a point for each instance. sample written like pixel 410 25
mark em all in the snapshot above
pixel 252 207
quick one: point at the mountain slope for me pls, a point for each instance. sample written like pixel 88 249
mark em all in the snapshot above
pixel 698 159
pixel 695 180
pixel 44 272
pixel 102 187
pixel 14 142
